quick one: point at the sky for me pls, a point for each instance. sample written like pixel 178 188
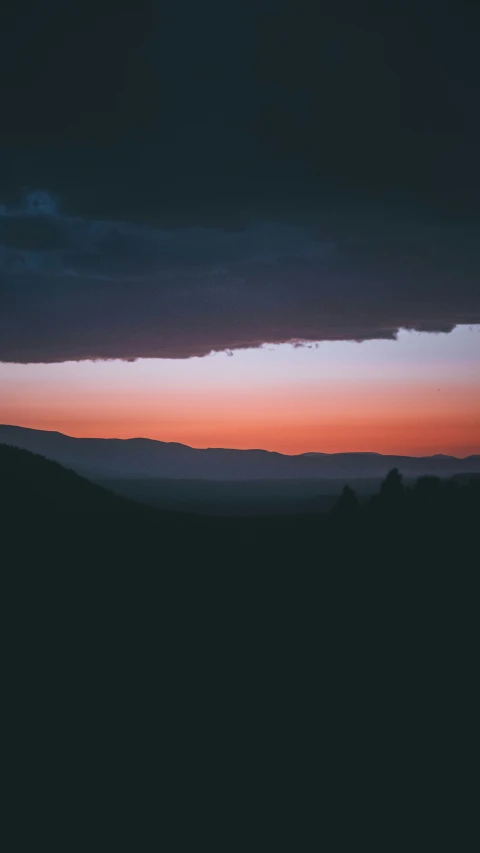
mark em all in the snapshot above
pixel 418 395
pixel 180 181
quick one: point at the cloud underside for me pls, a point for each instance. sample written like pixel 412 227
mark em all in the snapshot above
pixel 73 289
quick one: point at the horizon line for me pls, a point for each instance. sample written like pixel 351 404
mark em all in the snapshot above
pixel 242 449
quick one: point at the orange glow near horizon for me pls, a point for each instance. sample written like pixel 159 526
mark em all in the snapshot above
pixel 419 395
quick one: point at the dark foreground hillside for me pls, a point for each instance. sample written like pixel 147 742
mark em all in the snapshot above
pixel 31 484
pixel 223 662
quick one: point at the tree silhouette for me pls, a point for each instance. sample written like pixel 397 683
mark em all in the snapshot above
pixel 392 490
pixel 348 504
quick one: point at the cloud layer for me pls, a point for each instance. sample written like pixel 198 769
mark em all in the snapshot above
pixel 180 178
pixel 74 288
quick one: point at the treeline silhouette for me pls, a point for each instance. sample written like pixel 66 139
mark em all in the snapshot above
pixel 427 523
pixel 429 500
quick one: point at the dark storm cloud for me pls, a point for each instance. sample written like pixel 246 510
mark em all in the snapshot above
pixel 181 177
pixel 106 289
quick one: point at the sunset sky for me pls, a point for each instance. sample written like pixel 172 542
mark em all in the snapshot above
pixel 243 224
pixel 417 395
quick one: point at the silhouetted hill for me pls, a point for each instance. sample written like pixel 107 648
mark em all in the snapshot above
pixel 31 484
pixel 139 457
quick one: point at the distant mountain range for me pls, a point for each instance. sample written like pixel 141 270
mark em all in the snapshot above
pixel 100 458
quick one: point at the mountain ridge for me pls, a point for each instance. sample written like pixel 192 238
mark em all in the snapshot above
pixel 144 457
pixel 158 441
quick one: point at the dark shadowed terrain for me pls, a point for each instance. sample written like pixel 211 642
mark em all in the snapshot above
pixel 131 629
